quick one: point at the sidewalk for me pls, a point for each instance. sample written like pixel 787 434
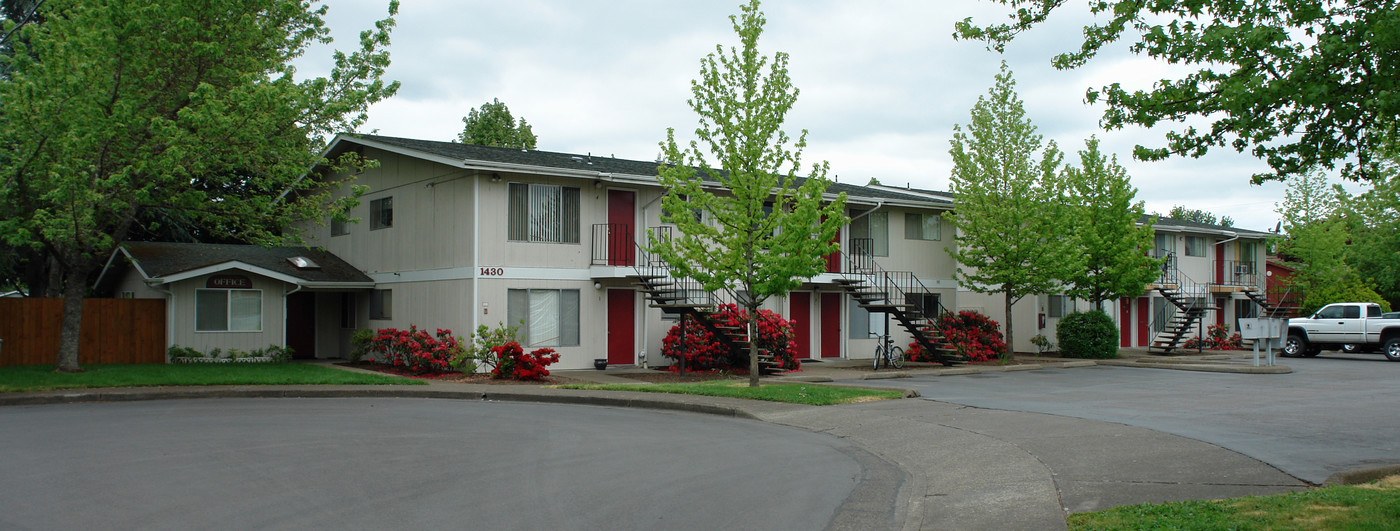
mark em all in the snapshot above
pixel 953 467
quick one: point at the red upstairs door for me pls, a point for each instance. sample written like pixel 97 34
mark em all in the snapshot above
pixel 833 260
pixel 801 313
pixel 622 327
pixel 621 213
pixel 831 325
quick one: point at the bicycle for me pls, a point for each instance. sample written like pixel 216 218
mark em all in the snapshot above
pixel 889 352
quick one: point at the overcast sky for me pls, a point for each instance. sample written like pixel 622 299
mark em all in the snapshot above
pixel 882 83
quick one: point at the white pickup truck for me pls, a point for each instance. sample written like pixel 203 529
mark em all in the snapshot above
pixel 1345 323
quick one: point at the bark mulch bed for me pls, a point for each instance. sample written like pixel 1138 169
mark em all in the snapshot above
pixel 477 378
pixel 676 377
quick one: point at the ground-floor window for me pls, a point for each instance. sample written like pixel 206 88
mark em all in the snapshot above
pixel 381 304
pixel 546 317
pixel 865 324
pixel 228 310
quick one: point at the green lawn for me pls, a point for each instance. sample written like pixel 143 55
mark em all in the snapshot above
pixel 43 378
pixel 1372 506
pixel 796 393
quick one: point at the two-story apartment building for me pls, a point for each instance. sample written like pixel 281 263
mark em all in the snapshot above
pixel 458 236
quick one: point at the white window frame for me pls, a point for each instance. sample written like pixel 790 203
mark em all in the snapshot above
pixel 1201 248
pixel 228 310
pixel 916 231
pixel 564 212
pixel 566 335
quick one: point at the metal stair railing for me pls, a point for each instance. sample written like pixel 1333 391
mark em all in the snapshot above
pixel 666 289
pixel 1178 288
pixel 902 294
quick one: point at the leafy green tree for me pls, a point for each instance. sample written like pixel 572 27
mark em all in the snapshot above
pixel 1199 216
pixel 772 226
pixel 113 109
pixel 1319 242
pixel 1373 220
pixel 1105 225
pixel 493 125
pixel 1009 211
pixel 1308 197
pixel 1297 83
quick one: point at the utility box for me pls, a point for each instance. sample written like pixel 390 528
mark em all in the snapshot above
pixel 1267 333
pixel 1264 328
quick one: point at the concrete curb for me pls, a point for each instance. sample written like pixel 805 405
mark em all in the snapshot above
pixel 560 396
pixel 1361 475
pixel 1199 366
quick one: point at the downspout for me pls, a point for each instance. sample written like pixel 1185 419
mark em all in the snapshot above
pixel 169 314
pixel 645 334
pixel 284 317
pixel 476 252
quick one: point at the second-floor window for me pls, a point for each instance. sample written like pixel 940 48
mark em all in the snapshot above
pixel 381 213
pixel 1195 246
pixel 543 213
pixel 923 226
pixel 875 226
pixel 339 228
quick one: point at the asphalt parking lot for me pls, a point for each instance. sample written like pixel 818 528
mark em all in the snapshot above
pixel 411 463
pixel 1335 412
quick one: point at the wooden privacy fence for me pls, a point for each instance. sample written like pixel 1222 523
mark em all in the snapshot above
pixel 114 331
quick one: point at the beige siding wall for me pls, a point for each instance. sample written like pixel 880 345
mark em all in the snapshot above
pixel 432 222
pixel 182 326
pixel 1025 314
pixel 131 281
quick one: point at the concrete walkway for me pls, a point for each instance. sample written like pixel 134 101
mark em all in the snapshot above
pixel 958 467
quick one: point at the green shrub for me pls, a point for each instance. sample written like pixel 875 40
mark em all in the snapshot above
pixel 1087 335
pixel 360 344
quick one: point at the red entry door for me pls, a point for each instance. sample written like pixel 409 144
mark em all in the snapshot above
pixel 621 327
pixel 801 314
pixel 1220 312
pixel 621 212
pixel 1142 319
pixel 1125 323
pixel 831 325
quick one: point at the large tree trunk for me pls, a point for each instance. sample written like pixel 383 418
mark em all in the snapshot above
pixel 1009 337
pixel 74 287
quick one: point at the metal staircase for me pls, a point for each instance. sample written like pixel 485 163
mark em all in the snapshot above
pixel 1188 307
pixel 898 293
pixel 675 293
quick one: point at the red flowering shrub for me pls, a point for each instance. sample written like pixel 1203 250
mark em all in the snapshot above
pixel 973 335
pixel 1217 338
pixel 415 350
pixel 704 352
pixel 512 362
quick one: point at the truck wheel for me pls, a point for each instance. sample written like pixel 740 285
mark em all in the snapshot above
pixel 1294 346
pixel 1392 349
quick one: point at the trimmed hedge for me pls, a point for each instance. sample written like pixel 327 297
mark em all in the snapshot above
pixel 1087 335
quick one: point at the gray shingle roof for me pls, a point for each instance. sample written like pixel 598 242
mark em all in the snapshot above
pixel 571 161
pixel 159 259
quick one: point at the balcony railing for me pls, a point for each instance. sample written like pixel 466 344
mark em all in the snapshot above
pixel 1241 273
